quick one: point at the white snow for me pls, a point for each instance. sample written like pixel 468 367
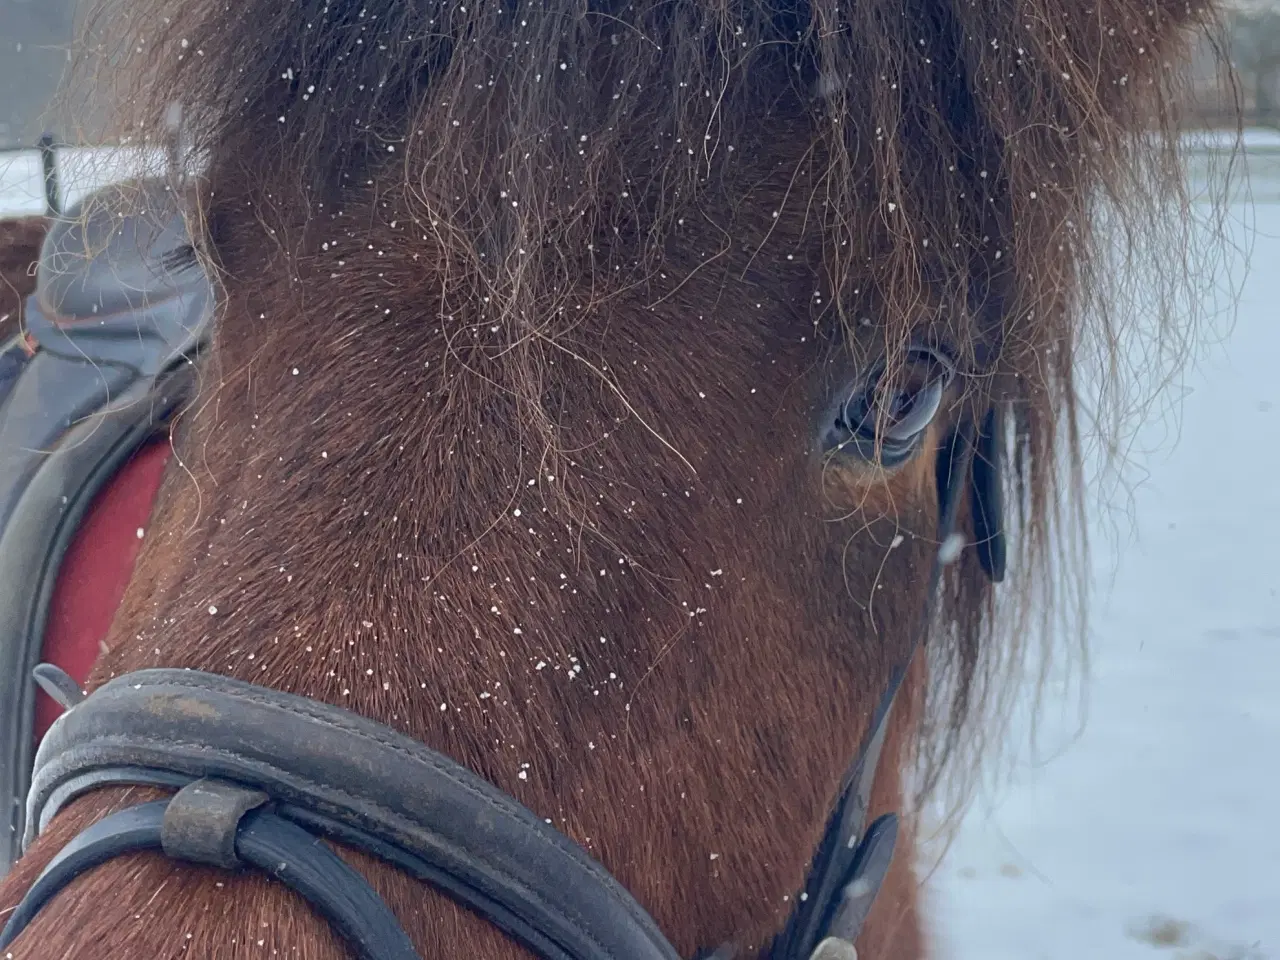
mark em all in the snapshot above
pixel 1251 138
pixel 1138 826
pixel 1138 829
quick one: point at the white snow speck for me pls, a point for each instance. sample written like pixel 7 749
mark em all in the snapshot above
pixel 949 552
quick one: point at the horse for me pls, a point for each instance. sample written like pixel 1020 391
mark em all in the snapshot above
pixel 624 478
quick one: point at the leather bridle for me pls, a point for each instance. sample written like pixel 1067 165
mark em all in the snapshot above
pixel 260 775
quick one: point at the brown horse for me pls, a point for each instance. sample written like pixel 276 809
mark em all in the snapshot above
pixel 580 375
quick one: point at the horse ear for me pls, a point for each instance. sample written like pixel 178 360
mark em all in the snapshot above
pixel 986 491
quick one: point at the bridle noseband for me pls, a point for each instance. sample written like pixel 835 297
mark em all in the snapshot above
pixel 262 775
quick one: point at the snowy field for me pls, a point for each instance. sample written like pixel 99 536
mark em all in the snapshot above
pixel 1136 828
pixel 1141 824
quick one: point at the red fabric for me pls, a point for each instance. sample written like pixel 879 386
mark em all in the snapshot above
pixel 97 568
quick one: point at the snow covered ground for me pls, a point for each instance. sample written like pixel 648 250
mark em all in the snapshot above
pixel 1142 825
pixel 1138 827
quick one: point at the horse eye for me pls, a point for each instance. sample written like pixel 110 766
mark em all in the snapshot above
pixel 891 415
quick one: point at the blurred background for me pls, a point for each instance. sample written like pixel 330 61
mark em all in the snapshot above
pixel 34 39
pixel 35 36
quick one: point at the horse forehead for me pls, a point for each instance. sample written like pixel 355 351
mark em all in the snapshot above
pixel 751 269
pixel 738 324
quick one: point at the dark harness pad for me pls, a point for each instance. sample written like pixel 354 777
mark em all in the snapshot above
pixel 122 250
pixel 120 309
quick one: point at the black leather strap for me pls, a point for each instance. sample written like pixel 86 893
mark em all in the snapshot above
pixel 850 864
pixel 987 494
pixel 355 780
pixel 870 866
pixel 137 828
pixel 202 820
pixel 259 839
